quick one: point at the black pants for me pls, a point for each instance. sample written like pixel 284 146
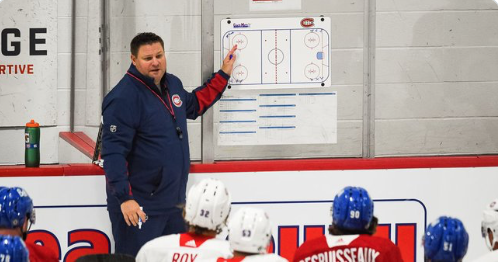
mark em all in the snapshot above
pixel 129 239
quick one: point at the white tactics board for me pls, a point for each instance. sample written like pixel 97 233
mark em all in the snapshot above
pixel 277 53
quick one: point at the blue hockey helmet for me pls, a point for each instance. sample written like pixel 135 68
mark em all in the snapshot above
pixel 12 248
pixel 352 209
pixel 446 240
pixel 15 207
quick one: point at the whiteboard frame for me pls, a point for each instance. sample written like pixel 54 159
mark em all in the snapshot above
pixel 230 26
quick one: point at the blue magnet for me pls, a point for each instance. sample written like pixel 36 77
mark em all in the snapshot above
pixel 319 55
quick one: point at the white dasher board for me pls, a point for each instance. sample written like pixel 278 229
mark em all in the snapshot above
pixel 277 53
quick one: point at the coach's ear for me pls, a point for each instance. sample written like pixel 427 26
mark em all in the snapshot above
pixel 133 60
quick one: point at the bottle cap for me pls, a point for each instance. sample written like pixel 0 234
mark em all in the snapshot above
pixel 32 123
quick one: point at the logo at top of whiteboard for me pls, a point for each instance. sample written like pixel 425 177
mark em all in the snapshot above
pixel 237 25
pixel 307 22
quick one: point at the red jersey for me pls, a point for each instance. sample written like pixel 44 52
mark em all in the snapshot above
pixel 348 248
pixel 39 253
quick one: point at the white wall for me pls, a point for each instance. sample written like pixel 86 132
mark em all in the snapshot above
pixel 29 96
pixel 56 107
pixel 88 70
pixel 436 77
pixel 347 77
pixel 435 73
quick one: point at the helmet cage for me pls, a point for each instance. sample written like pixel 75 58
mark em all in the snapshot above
pixel 490 221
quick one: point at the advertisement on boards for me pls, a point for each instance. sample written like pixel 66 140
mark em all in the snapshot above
pixel 72 218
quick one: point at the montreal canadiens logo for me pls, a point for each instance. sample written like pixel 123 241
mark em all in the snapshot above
pixel 176 100
pixel 307 22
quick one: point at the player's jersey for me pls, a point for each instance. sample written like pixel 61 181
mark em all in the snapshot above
pixel 253 258
pixel 39 253
pixel 489 257
pixel 183 247
pixel 351 248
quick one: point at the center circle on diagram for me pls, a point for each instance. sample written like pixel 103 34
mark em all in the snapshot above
pixel 276 56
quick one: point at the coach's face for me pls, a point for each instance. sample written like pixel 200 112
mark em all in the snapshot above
pixel 150 61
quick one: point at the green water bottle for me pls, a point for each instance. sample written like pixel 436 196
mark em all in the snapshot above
pixel 32 141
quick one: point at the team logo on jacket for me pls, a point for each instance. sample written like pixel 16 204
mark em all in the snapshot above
pixel 177 101
pixel 113 128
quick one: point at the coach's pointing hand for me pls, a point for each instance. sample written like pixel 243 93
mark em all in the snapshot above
pixel 227 66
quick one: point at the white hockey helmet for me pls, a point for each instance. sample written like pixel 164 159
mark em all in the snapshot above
pixel 249 231
pixel 490 221
pixel 208 204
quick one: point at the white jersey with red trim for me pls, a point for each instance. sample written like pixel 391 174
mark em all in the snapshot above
pixel 253 258
pixel 185 247
pixel 351 248
pixel 489 257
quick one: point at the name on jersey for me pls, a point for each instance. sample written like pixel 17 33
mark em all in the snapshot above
pixel 344 255
pixel 184 257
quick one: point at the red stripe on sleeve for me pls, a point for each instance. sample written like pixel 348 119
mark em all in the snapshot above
pixel 213 88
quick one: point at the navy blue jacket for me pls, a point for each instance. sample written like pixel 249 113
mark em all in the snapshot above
pixel 145 157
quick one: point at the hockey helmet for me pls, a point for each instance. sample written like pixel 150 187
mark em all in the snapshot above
pixel 15 207
pixel 249 230
pixel 12 248
pixel 446 240
pixel 352 209
pixel 208 204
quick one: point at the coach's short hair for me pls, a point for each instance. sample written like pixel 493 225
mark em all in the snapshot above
pixel 146 38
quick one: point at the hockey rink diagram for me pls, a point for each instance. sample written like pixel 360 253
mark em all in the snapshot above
pixel 279 57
